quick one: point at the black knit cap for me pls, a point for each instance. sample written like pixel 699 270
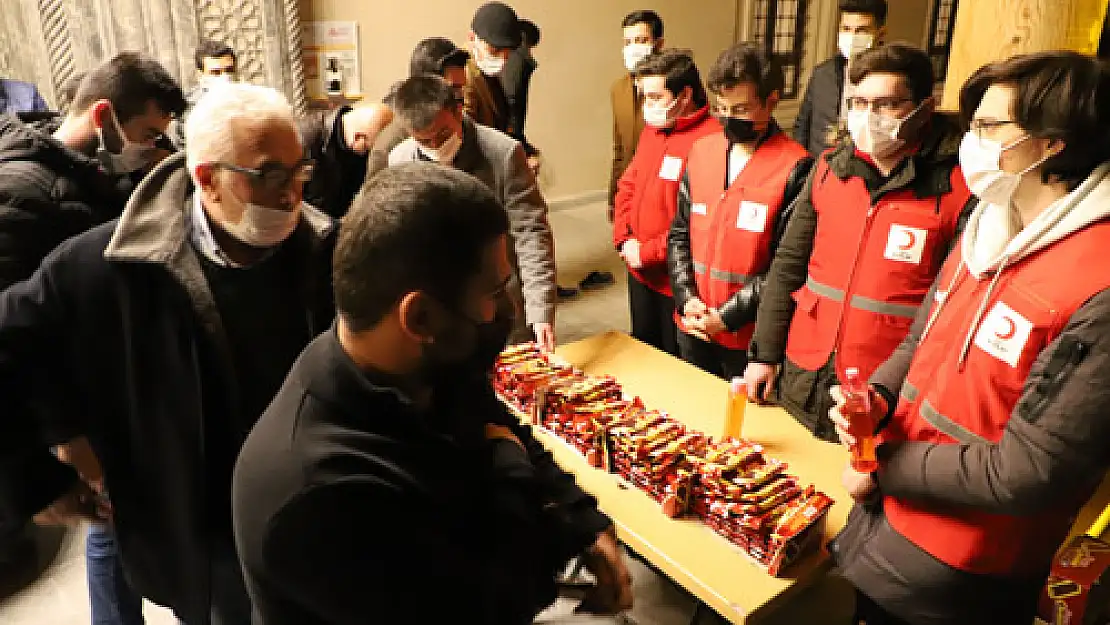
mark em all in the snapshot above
pixel 497 24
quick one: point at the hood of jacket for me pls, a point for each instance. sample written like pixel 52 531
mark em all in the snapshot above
pixel 993 237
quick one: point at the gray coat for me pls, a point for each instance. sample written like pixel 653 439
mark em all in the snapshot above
pixel 499 161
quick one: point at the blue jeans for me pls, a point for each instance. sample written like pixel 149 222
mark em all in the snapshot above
pixel 112 599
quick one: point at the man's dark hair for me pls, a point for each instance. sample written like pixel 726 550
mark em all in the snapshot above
pixel 434 55
pixel 530 33
pixel 897 58
pixel 679 71
pixel 419 99
pixel 651 18
pixel 130 81
pixel 212 49
pixel 746 63
pixel 1060 95
pixel 874 8
pixel 414 227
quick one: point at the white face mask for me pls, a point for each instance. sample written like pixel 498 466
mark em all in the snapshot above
pixel 261 226
pixel 875 134
pixel 851 44
pixel 490 65
pixel 659 116
pixel 636 52
pixel 131 157
pixel 980 161
pixel 209 80
pixel 446 152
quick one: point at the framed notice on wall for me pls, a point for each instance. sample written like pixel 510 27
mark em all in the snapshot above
pixel 331 59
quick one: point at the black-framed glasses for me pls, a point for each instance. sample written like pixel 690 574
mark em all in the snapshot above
pixel 882 106
pixel 274 176
pixel 987 126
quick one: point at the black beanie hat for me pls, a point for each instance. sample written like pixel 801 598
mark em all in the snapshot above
pixel 497 24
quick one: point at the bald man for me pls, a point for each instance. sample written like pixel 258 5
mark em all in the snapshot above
pixel 340 141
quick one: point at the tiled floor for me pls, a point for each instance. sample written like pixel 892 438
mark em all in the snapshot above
pixel 58 596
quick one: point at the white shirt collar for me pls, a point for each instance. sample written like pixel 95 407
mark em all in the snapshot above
pixel 200 233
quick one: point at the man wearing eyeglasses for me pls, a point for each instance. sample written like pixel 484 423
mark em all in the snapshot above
pixel 869 233
pixel 431 112
pixel 165 335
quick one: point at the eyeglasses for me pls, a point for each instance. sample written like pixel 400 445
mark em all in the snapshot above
pixel 987 126
pixel 883 106
pixel 274 176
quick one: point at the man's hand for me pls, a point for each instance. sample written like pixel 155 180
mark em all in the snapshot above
pixel 879 409
pixel 545 336
pixel 613 592
pixel 711 322
pixel 760 379
pixel 630 252
pixel 495 432
pixel 694 308
pixel 534 164
pixel 79 504
pixel 859 485
pixel 79 454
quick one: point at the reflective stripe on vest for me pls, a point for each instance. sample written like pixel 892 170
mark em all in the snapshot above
pixel 861 302
pixel 721 275
pixel 942 423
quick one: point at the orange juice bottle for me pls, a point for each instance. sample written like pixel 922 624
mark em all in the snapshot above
pixel 737 401
pixel 861 425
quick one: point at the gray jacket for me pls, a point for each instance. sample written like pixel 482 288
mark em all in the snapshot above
pixel 499 161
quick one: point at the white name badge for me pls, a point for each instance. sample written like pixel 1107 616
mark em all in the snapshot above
pixel 906 244
pixel 671 169
pixel 752 216
pixel 1004 334
pixel 700 209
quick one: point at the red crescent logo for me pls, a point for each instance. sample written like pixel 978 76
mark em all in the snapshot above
pixel 1009 332
pixel 911 241
pixel 753 212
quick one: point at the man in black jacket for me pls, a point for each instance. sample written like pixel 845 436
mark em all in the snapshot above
pixel 164 336
pixel 57 182
pixel 819 120
pixel 385 482
pixel 734 202
pixel 339 142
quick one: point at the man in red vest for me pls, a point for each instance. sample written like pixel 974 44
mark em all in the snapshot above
pixel 867 238
pixel 676 111
pixel 1001 430
pixel 733 205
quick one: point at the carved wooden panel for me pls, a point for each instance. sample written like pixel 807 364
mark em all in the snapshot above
pixel 49 41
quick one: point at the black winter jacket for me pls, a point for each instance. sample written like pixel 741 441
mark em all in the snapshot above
pixel 119 328
pixel 820 112
pixel 339 172
pixel 48 193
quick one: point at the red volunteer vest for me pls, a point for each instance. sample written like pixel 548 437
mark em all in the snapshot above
pixel 879 258
pixel 731 229
pixel 945 403
pixel 650 186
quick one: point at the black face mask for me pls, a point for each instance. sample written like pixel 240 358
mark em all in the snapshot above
pixel 489 339
pixel 739 130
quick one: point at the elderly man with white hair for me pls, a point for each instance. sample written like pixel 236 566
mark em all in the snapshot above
pixel 164 335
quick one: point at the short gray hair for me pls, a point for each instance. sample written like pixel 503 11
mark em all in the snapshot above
pixel 209 124
pixel 419 99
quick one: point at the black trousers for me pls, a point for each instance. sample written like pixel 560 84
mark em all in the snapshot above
pixel 652 317
pixel 711 357
pixel 869 612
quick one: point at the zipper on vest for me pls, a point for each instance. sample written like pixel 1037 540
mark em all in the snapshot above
pixel 846 304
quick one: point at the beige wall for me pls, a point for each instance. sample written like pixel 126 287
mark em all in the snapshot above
pixel 907 21
pixel 579 57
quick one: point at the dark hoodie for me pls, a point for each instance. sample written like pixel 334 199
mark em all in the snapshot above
pixel 48 193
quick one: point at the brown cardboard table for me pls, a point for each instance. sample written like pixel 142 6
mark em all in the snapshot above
pixel 689 552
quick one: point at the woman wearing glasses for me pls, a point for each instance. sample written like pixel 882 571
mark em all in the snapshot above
pixel 1000 434
pixel 869 233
